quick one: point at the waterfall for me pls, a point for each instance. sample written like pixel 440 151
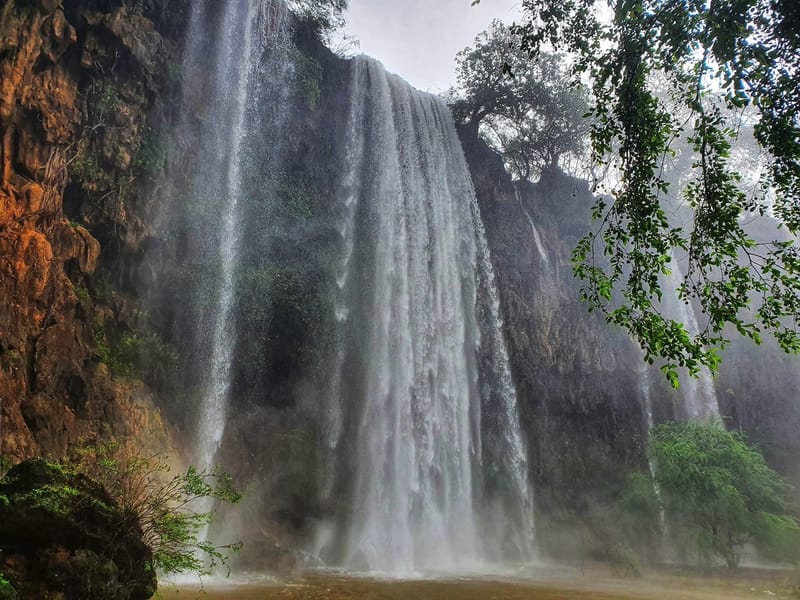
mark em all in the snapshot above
pixel 537 239
pixel 225 70
pixel 422 396
pixel 699 393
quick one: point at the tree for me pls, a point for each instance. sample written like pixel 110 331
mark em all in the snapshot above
pixel 719 494
pixel 719 59
pixel 523 109
pixel 325 15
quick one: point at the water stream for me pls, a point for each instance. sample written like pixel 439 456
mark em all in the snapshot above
pixel 230 47
pixel 537 239
pixel 699 392
pixel 425 389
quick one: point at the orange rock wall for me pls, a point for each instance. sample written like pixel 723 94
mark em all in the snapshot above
pixel 54 390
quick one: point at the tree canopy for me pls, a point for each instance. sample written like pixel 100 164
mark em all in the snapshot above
pixel 523 110
pixel 719 494
pixel 325 15
pixel 718 61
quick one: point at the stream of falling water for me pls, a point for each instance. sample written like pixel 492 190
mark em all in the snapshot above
pixel 537 239
pixel 425 382
pixel 225 53
pixel 699 392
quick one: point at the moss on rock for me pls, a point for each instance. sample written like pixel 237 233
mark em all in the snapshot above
pixel 61 533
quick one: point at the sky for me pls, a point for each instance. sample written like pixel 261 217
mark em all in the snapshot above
pixel 419 39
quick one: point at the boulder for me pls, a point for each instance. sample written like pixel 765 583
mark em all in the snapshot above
pixel 63 537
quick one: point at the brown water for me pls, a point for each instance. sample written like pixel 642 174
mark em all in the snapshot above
pixel 548 586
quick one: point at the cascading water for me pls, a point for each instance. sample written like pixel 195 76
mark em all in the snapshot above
pixel 424 405
pixel 232 47
pixel 537 239
pixel 699 393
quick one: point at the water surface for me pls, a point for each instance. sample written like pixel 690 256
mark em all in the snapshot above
pixel 551 586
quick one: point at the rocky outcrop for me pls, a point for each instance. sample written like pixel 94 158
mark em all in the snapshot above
pixel 584 390
pixel 62 537
pixel 577 380
pixel 79 85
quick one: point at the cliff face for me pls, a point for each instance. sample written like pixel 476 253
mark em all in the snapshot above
pixel 584 389
pixel 77 86
pixel 579 391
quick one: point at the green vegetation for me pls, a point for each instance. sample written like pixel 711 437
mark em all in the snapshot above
pixel 164 505
pixel 718 494
pixel 7 591
pixel 525 111
pixel 82 292
pixel 152 155
pixel 326 16
pixel 663 75
pixel 85 165
pixel 108 101
pixel 640 506
pixel 147 357
pixel 5 464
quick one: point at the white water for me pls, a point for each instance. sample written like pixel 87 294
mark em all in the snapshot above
pixel 430 401
pixel 537 239
pixel 224 59
pixel 699 393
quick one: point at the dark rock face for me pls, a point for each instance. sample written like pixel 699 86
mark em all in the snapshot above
pixel 579 390
pixel 62 536
pixel 583 387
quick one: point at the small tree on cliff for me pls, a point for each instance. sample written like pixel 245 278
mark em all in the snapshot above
pixel 719 494
pixel 325 15
pixel 523 109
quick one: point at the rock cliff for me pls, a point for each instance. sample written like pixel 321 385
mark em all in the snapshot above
pixel 80 84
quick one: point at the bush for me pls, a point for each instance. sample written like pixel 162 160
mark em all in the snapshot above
pixel 7 591
pixel 152 155
pixel 719 494
pixel 144 356
pixel 165 506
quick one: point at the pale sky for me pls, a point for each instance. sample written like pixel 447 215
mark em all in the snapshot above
pixel 419 39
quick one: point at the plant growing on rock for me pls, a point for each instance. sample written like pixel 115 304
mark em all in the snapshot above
pixel 326 16
pixel 165 505
pixel 525 110
pixel 7 591
pixel 721 61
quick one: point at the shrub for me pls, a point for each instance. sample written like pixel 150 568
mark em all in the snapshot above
pixel 167 507
pixel 719 494
pixel 148 357
pixel 7 591
pixel 152 155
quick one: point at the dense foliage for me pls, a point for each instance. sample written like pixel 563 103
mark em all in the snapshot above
pixel 524 111
pixel 718 60
pixel 719 494
pixel 325 15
